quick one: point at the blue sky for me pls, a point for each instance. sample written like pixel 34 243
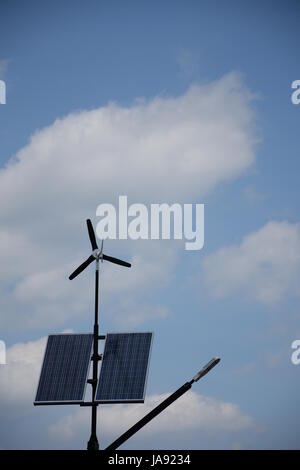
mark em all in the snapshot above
pixel 162 65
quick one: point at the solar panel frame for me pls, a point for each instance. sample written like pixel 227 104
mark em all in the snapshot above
pixel 86 375
pixel 123 400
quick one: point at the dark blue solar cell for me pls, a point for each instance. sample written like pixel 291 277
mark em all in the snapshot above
pixel 124 368
pixel 65 369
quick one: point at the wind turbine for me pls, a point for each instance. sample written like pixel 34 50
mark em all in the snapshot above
pixel 97 255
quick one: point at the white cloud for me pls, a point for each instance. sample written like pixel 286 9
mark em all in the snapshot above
pixel 131 314
pixel 40 297
pixel 19 377
pixel 265 266
pixel 190 412
pixel 49 298
pixel 164 150
pixel 18 383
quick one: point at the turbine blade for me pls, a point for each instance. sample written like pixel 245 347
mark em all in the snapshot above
pixel 92 234
pixel 82 267
pixel 116 261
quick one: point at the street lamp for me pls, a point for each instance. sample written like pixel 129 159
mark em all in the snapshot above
pixel 163 405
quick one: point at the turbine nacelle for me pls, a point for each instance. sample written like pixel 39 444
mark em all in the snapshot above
pixel 98 253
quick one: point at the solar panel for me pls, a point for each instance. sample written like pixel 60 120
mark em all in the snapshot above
pixel 65 369
pixel 124 368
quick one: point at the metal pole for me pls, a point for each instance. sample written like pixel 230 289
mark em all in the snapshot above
pixel 93 443
pixel 136 427
pixel 162 406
